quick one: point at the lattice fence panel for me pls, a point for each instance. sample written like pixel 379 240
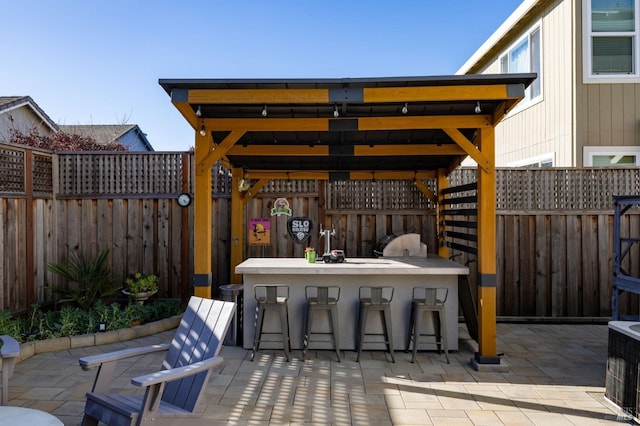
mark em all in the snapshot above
pixel 43 174
pixel 84 174
pixel 11 170
pixel 378 195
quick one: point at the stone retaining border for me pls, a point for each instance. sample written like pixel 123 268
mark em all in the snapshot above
pixel 29 349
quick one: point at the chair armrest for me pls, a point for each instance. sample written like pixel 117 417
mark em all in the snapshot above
pixel 176 373
pixel 10 347
pixel 89 362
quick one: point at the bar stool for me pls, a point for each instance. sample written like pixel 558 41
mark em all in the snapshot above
pixel 323 299
pixel 375 299
pixel 274 298
pixel 428 300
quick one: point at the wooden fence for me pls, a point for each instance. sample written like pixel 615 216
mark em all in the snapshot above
pixel 554 226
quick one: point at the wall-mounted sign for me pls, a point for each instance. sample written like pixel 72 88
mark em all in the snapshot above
pixel 280 206
pixel 300 229
pixel 259 232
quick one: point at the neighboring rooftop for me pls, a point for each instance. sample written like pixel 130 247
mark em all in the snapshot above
pixel 8 103
pixel 109 133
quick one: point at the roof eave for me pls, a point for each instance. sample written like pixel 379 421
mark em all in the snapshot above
pixel 519 14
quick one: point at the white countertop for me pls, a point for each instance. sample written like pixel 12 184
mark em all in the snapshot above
pixel 433 265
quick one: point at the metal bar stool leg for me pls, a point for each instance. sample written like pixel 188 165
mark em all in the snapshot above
pixel 284 325
pixel 258 322
pixel 335 328
pixel 307 333
pixel 417 326
pixel 362 324
pixel 443 333
pixel 388 331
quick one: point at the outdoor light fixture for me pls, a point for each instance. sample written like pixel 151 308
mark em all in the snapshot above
pixel 336 114
pixel 203 131
pixel 264 111
pixel 405 108
pixel 478 109
pixel 199 112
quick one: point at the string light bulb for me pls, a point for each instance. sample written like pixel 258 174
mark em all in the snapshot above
pixel 203 131
pixel 478 109
pixel 264 111
pixel 405 108
pixel 199 112
pixel 336 114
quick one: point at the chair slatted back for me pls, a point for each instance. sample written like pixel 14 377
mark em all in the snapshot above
pixel 199 337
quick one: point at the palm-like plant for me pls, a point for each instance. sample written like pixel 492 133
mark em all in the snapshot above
pixel 92 278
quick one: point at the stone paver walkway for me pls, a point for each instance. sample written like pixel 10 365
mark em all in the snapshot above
pixel 552 375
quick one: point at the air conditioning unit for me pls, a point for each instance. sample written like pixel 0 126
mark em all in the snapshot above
pixel 623 365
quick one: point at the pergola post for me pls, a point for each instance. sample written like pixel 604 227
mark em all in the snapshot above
pixel 442 183
pixel 237 225
pixel 202 221
pixel 487 252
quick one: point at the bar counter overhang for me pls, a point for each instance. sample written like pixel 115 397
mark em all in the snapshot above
pixel 401 273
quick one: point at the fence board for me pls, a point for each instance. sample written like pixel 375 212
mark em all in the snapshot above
pixel 527 266
pixel 605 260
pixel 542 279
pixel 574 275
pixel 161 256
pixel 558 265
pixel 511 269
pixel 118 250
pixel 589 263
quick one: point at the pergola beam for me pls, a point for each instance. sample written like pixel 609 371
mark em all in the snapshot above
pixel 325 175
pixel 358 150
pixel 359 123
pixel 356 95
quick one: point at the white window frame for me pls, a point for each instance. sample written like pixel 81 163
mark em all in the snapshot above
pixel 535 161
pixel 528 99
pixel 590 151
pixel 587 57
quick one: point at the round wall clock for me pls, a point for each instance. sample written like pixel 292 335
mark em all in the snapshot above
pixel 184 199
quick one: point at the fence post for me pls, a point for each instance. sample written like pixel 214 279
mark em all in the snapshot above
pixel 28 212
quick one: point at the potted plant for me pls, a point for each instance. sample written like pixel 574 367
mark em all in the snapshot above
pixel 141 286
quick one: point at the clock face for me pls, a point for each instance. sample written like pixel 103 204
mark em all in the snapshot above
pixel 184 199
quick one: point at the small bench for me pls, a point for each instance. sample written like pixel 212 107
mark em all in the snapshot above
pixel 9 352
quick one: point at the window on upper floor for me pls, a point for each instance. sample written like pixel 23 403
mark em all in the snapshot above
pixel 610 41
pixel 525 56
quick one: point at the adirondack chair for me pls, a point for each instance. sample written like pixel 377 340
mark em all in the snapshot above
pixel 9 352
pixel 172 393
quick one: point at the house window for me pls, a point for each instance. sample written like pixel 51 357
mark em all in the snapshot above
pixel 610 40
pixel 525 56
pixel 611 156
pixel 545 160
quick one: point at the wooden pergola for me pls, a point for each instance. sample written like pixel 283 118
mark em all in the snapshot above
pixel 412 128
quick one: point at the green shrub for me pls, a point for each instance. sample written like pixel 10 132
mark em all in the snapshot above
pixel 89 279
pixel 71 320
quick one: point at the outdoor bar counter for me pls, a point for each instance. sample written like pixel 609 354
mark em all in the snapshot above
pixel 401 273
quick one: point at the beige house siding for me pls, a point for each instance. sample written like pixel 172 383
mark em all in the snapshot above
pixel 543 127
pixel 606 114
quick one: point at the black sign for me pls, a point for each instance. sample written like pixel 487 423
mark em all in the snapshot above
pixel 300 229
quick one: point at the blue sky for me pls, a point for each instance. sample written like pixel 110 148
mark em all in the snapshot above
pixel 98 62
